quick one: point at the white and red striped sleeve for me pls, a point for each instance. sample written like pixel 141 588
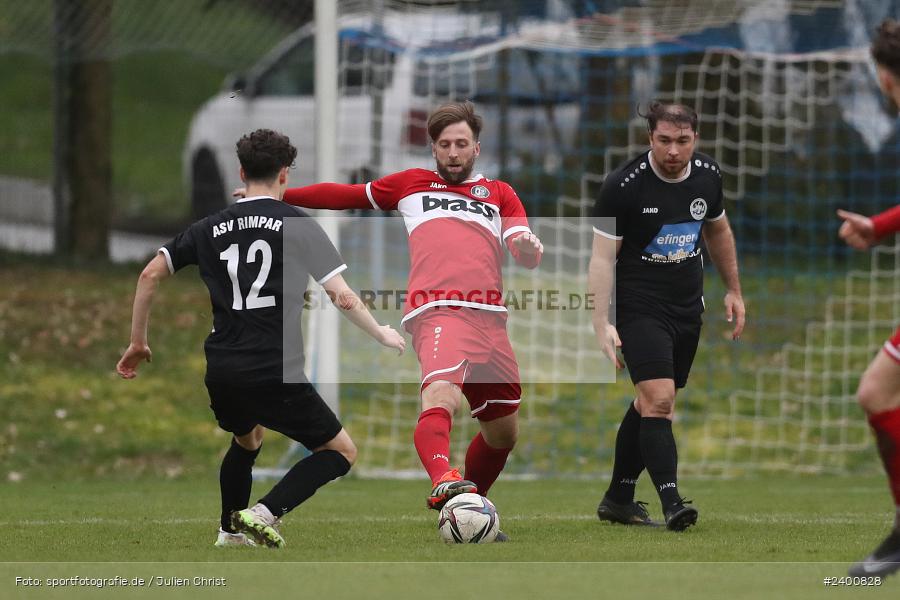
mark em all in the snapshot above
pixel 386 192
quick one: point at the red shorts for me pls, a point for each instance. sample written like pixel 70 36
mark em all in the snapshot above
pixel 470 348
pixel 892 346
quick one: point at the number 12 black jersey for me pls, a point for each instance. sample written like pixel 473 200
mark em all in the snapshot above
pixel 240 254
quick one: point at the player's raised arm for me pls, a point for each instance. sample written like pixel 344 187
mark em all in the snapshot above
pixel 138 349
pixel 376 194
pixel 353 308
pixel 720 243
pixel 332 196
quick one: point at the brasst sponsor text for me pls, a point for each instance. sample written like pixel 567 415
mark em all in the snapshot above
pixel 458 205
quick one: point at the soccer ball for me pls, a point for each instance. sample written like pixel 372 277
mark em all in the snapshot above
pixel 469 519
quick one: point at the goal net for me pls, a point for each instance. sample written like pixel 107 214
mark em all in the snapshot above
pixel 790 110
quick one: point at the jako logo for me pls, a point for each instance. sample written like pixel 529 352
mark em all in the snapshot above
pixel 458 205
pixel 438 186
pixel 650 211
pixel 666 486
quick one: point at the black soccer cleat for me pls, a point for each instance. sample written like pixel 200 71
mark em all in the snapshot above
pixel 884 561
pixel 632 513
pixel 501 537
pixel 450 484
pixel 679 517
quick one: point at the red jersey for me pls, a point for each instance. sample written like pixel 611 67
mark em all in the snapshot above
pixel 887 222
pixel 456 236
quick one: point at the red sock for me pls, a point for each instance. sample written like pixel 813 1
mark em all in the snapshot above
pixel 484 463
pixel 432 441
pixel 887 434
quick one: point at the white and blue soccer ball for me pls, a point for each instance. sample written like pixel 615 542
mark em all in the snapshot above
pixel 469 519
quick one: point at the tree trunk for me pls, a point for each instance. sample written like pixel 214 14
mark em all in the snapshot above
pixel 83 130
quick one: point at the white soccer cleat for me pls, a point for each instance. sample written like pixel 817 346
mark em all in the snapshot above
pixel 259 524
pixel 232 539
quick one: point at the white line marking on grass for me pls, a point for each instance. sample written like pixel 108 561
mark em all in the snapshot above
pixel 102 521
pixel 299 518
pixel 775 519
pixel 794 520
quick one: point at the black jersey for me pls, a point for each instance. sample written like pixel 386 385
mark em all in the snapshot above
pixel 240 253
pixel 660 221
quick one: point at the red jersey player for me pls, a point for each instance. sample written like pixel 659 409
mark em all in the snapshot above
pixel 458 224
pixel 879 388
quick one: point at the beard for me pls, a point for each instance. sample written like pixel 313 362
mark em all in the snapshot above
pixel 673 171
pixel 455 178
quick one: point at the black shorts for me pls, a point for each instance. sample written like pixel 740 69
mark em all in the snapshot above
pixel 658 346
pixel 293 409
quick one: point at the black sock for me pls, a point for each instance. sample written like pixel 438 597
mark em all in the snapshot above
pixel 235 481
pixel 661 457
pixel 629 461
pixel 304 479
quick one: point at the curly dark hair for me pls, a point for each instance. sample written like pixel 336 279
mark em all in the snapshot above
pixel 263 153
pixel 886 45
pixel 678 114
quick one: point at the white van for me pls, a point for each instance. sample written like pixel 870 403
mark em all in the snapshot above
pixel 387 91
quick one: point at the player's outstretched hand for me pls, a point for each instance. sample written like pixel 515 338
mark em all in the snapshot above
pixel 528 243
pixel 388 336
pixel 857 230
pixel 735 311
pixel 609 340
pixel 134 355
pixel 239 193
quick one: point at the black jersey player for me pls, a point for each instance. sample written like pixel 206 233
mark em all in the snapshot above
pixel 241 253
pixel 653 217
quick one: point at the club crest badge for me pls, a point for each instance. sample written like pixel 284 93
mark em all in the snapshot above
pixel 479 191
pixel 698 209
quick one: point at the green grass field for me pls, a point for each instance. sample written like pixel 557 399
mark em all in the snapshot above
pixel 103 477
pixel 773 537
